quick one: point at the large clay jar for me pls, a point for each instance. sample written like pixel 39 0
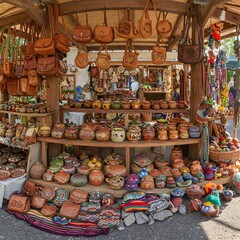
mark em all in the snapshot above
pixel 78 180
pixel 116 182
pixel 45 131
pixel 71 133
pixel 135 104
pixel 115 170
pixel 172 104
pixel 96 177
pixel 61 177
pixel 162 135
pixel 176 153
pixel 147 182
pixel 87 133
pixel 57 131
pixel 126 104
pixel 37 170
pixel 173 135
pixel 118 135
pixel 134 133
pixel 195 168
pixel 148 134
pixel 103 134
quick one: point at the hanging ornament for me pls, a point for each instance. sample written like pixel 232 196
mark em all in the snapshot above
pixel 215 36
pixel 211 58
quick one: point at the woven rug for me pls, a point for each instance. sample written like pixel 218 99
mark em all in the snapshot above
pixel 37 220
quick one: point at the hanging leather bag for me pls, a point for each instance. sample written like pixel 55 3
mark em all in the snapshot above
pixel 158 54
pixel 62 43
pixel 33 78
pixel 126 28
pixel 190 53
pixel 13 86
pixel 19 203
pixel 82 33
pixel 46 46
pixel 103 60
pixel 47 65
pixel 130 57
pixel 103 33
pixel 145 24
pixel 163 27
pixel 30 62
pixel 82 60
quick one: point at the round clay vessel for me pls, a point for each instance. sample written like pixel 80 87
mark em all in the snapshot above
pixel 96 177
pixel 196 167
pixel 147 182
pixel 87 133
pixel 154 173
pixel 172 104
pixel 177 163
pixel 103 134
pixel 96 104
pixel 118 135
pixel 61 177
pixel 84 169
pixel 126 104
pixel 106 105
pixel 115 170
pixel 146 104
pixel 173 134
pixel 71 133
pixel 37 170
pixel 176 153
pixel 148 134
pixel 78 180
pixel 116 182
pixel 135 104
pixel 134 133
pixel 48 176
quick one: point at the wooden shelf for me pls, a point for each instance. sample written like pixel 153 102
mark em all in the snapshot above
pixel 119 193
pixel 151 91
pixel 125 144
pixel 125 111
pixel 27 114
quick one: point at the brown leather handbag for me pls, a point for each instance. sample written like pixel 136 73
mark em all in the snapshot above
pixel 37 201
pixel 32 90
pixel 33 78
pixel 13 86
pixel 49 210
pixel 78 196
pixel 19 203
pixel 130 57
pixel 103 33
pixel 29 188
pixel 82 33
pixel 103 60
pixel 81 60
pixel 145 24
pixel 62 43
pixel 70 210
pixel 47 65
pixel 23 85
pixel 158 54
pixel 30 62
pixel 94 72
pixel 46 46
pixel 2 77
pixel 163 27
pixel 126 28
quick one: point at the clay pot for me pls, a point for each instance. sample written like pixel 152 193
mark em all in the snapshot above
pixel 69 169
pixel 172 104
pixel 78 104
pixel 163 104
pixel 106 105
pixel 115 182
pixel 147 117
pixel 142 159
pixel 176 153
pixel 166 171
pixel 118 135
pixel 154 173
pixel 147 182
pixel 155 105
pixel 48 176
pixel 175 172
pixel 37 170
pixel 87 104
pixel 146 104
pixel 177 163
pixel 84 169
pixel 78 180
pixel 195 168
pixel 194 132
pixel 134 133
pixel 208 209
pixel 195 191
pixel 96 177
pixel 96 104
pixel 126 105
pixel 87 133
pixel 148 134
pixel 136 169
pixel 116 104
pixel 115 170
pixel 135 104
pixel 113 159
pixel 61 177
pixel 160 162
pixel 182 105
pixel 173 134
pixel 162 135
pixel 184 134
pixel 45 131
pixel 103 134
pixel 57 132
pixel 71 133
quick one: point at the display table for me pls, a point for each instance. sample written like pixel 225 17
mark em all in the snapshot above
pixel 10 186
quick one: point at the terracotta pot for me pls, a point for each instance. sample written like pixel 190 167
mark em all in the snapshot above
pixel 87 133
pixel 195 168
pixel 155 105
pixel 162 135
pixel 146 104
pixel 208 209
pixel 195 191
pixel 166 171
pixel 44 131
pixel 118 135
pixel 136 169
pixel 148 134
pixel 84 169
pixel 96 177
pixel 173 134
pixel 57 132
pixel 103 134
pixel 126 105
pixel 61 177
pixel 69 169
pixel 78 180
pixel 163 104
pixel 96 104
pixel 48 176
pixel 115 170
pixel 184 134
pixel 116 104
pixel 176 153
pixel 37 170
pixel 147 117
pixel 87 104
pixel 71 133
pixel 154 173
pixel 172 104
pixel 175 172
pixel 177 163
pixel 115 182
pixel 106 105
pixel 135 104
pixel 134 133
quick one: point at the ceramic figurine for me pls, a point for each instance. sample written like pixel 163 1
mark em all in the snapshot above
pixel 195 205
pixel 160 181
pixel 147 182
pixel 143 173
pixel 132 182
pixel 116 182
pixel 170 182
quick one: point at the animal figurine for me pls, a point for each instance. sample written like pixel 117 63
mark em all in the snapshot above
pixel 214 198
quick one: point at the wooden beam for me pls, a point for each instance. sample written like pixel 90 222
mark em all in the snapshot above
pixel 33 11
pixel 176 26
pixel 173 43
pixel 230 17
pixel 96 5
pixel 208 10
pixel 14 19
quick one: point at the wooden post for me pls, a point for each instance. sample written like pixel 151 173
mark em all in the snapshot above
pixel 196 80
pixel 185 69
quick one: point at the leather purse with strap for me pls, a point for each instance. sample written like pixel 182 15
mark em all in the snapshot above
pixel 29 188
pixel 19 203
pixel 163 27
pixel 62 43
pixel 70 210
pixel 82 60
pixel 130 57
pixel 103 60
pixel 158 53
pixel 78 196
pixel 145 24
pixel 37 201
pixel 82 33
pixel 103 33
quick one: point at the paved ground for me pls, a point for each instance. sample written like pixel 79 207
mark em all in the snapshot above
pixel 192 226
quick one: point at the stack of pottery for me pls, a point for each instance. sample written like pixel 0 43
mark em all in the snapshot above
pixel 194 132
pixel 134 133
pixel 183 130
pixel 140 161
pixel 162 134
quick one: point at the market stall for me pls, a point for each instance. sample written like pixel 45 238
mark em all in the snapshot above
pixel 125 104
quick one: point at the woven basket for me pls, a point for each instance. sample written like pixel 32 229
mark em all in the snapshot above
pixel 234 156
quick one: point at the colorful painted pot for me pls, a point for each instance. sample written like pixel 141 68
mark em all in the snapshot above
pixel 118 135
pixel 103 134
pixel 96 177
pixel 78 180
pixel 115 170
pixel 87 133
pixel 134 133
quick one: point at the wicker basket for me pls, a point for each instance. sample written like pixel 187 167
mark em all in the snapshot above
pixel 234 156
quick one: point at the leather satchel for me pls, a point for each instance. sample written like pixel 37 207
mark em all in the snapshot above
pixel 103 33
pixel 163 27
pixel 158 54
pixel 82 33
pixel 23 85
pixel 37 201
pixel 33 78
pixel 70 210
pixel 62 43
pixel 49 210
pixel 47 65
pixel 145 24
pixel 8 68
pixel 30 62
pixel 81 59
pixel 29 188
pixel 19 203
pixel 2 77
pixel 130 57
pixel 78 196
pixel 103 60
pixel 13 86
pixel 32 90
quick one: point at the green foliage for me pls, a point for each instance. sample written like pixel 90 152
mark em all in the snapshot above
pixel 228 45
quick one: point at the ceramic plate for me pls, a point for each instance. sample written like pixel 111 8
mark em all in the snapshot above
pixel 14 159
pixel 48 193
pixel 17 172
pixel 3 167
pixel 3 160
pixel 4 174
pixel 111 116
pixel 22 163
pixel 62 194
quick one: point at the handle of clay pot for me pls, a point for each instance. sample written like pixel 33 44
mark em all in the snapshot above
pixel 108 180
